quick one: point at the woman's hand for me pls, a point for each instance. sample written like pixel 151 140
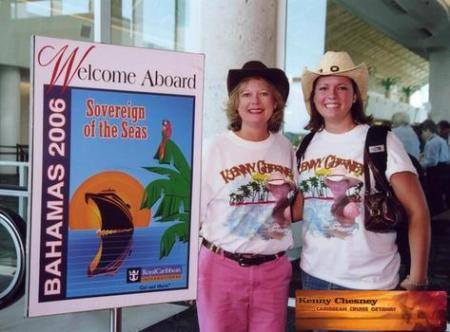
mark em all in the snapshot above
pixel 412 285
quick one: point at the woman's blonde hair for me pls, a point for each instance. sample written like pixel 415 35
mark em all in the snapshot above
pixel 234 119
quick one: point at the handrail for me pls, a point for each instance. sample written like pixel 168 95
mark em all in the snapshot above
pixel 13 163
pixel 20 190
pixel 18 150
pixel 11 190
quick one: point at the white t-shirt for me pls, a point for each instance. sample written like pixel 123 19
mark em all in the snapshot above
pixel 236 204
pixel 336 246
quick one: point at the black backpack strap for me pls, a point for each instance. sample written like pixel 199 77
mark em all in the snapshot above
pixel 419 168
pixel 376 148
pixel 303 146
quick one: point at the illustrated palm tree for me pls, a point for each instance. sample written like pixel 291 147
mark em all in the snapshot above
pixel 232 198
pixel 255 190
pixel 314 181
pixel 258 185
pixel 173 194
pixel 322 186
pixel 245 190
pixel 304 186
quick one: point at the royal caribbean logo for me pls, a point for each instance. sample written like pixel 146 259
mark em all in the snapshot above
pixel 154 273
pixel 160 273
pixel 134 275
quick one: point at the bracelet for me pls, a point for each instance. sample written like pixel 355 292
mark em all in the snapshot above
pixel 417 284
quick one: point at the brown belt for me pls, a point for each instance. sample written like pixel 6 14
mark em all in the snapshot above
pixel 244 260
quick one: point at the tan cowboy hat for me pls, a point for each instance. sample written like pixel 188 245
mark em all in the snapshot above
pixel 256 68
pixel 336 64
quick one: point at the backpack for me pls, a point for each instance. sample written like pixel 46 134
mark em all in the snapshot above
pixel 376 137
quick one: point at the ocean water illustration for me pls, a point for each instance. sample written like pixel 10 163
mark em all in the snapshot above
pixel 83 245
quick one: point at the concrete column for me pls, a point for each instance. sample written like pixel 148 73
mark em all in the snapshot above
pixel 9 107
pixel 439 90
pixel 137 25
pixel 234 31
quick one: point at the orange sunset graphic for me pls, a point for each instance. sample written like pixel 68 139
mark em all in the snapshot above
pixel 109 203
pixel 85 214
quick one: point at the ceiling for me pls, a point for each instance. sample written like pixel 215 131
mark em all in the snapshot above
pixel 393 37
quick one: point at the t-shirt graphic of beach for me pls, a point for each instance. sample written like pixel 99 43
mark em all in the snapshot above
pixel 333 196
pixel 258 206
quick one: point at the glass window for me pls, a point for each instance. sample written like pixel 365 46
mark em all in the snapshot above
pixel 305 43
pixel 47 8
pixel 19 20
pixel 30 9
pixel 72 7
pixel 152 24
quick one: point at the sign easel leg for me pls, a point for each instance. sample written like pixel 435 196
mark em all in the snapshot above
pixel 116 320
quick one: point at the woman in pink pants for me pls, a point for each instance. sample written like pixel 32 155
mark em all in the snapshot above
pixel 247 186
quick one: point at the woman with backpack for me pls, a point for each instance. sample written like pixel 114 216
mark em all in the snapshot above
pixel 338 251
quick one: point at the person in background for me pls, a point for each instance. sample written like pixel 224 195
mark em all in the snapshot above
pixel 402 129
pixel 444 131
pixel 434 160
pixel 435 151
pixel 338 252
pixel 247 183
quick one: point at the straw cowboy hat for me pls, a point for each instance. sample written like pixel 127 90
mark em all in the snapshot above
pixel 339 173
pixel 256 68
pixel 277 179
pixel 336 64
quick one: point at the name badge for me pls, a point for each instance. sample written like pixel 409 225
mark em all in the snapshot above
pixel 376 148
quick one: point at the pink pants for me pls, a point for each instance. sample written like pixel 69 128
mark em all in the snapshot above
pixel 232 298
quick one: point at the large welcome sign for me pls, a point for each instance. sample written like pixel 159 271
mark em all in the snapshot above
pixel 115 176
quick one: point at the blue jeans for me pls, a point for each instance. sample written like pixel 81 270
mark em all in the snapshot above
pixel 312 283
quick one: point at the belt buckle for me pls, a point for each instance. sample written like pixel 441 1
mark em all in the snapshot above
pixel 243 261
pixel 215 249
